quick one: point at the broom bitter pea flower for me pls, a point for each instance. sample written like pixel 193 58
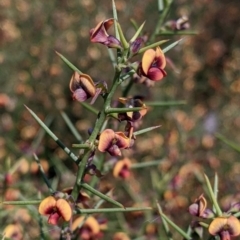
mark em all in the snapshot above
pixel 112 142
pixel 99 34
pixel 120 236
pixel 90 228
pixel 131 103
pixel 56 209
pixel 82 87
pixel 225 227
pixel 122 169
pixel 13 231
pixel 153 64
pixel 199 208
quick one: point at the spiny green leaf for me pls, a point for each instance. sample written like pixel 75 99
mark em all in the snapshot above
pixel 156 44
pixel 101 195
pixel 68 62
pixel 115 19
pixel 166 49
pixel 52 135
pixel 231 144
pixel 137 33
pixel 146 130
pixel 170 222
pixel 212 196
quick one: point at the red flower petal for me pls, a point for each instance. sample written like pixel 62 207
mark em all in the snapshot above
pixel 98 34
pixel 53 218
pixel 122 168
pixel 108 23
pixel 156 74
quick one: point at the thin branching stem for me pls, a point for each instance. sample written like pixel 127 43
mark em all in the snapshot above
pixel 98 126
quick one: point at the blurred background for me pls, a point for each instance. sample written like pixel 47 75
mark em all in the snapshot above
pixel 203 71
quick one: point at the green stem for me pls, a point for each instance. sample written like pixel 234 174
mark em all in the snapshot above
pixel 71 126
pixel 165 224
pixel 160 5
pixel 216 186
pixel 89 107
pixel 176 227
pixel 127 75
pixel 146 164
pixel 100 165
pixel 81 146
pixel 21 203
pixel 97 128
pixel 115 18
pixel 203 224
pixel 128 88
pixel 101 195
pixel 43 174
pixel 112 210
pixel 231 144
pixel 160 21
pixel 212 196
pixel 167 33
pixel 166 104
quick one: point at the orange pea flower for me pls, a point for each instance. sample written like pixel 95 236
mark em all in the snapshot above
pixel 112 142
pixel 151 229
pixel 89 229
pixel 153 64
pixel 132 102
pixel 4 100
pixel 82 87
pixel 99 34
pixel 55 208
pixel 122 169
pixel 225 227
pixel 13 231
pixel 120 236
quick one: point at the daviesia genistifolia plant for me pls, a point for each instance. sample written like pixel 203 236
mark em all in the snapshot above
pixel 67 205
pixel 75 210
